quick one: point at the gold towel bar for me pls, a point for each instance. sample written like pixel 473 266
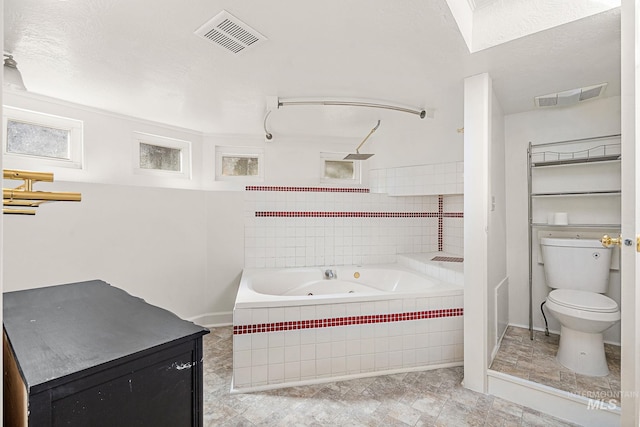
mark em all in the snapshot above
pixel 24 196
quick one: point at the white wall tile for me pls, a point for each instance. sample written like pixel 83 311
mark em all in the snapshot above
pixel 323 367
pixel 276 355
pixel 292 354
pixel 381 361
pixel 323 350
pixel 275 373
pixel 242 316
pixel 259 357
pixel 292 338
pixel 307 369
pixel 260 340
pixel 292 371
pixel 307 336
pixel 241 342
pixel 395 359
pixel 241 358
pixel 275 339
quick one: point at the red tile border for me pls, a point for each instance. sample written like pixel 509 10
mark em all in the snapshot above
pixel 306 189
pixel 440 223
pixel 320 214
pixel 346 321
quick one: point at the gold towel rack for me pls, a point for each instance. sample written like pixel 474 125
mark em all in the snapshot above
pixel 23 196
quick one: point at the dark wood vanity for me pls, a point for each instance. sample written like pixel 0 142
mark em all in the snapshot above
pixel 90 354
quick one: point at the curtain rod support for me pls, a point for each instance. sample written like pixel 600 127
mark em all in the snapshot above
pixel 420 113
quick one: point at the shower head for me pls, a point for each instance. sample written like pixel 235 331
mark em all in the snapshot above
pixel 357 155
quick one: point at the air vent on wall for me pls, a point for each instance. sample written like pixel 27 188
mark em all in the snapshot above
pixel 570 97
pixel 229 32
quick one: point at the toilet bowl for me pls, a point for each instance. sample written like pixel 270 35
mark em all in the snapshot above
pixel 583 317
pixel 578 272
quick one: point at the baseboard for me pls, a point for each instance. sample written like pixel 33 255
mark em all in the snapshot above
pixel 212 320
pixel 560 404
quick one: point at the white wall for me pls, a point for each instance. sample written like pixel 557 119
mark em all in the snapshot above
pixel 593 118
pixel 477 137
pixel 108 144
pixel 498 284
pixel 484 227
pixel 140 239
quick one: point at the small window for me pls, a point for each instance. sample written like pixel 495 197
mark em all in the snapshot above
pixel 339 169
pixel 334 169
pixel 158 155
pixel 239 163
pixel 160 158
pixel 42 139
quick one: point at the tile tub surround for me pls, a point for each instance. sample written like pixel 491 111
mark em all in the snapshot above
pixel 286 346
pixel 308 226
pixel 436 178
pixel 451 272
pixel 535 361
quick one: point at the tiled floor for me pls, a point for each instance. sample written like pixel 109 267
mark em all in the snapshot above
pixel 535 361
pixel 428 398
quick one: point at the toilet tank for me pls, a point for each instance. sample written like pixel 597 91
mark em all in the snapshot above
pixel 581 264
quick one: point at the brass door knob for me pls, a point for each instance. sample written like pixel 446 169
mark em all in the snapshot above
pixel 608 241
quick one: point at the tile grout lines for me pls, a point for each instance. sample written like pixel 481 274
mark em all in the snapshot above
pixel 441 214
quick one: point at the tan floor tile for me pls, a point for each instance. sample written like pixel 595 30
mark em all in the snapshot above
pixel 428 398
pixel 545 369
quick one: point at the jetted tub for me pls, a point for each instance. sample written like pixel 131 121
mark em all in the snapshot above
pixel 296 326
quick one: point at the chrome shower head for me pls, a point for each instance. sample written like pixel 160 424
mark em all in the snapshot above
pixel 357 155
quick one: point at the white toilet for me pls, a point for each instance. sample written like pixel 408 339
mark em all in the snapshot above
pixel 578 271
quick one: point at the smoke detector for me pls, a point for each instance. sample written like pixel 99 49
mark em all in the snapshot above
pixel 230 33
pixel 570 97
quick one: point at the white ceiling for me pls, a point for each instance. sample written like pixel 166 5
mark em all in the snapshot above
pixel 142 58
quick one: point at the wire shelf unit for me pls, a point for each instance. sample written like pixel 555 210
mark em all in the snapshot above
pixel 566 153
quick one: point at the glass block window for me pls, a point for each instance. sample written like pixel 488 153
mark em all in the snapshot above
pixel 243 164
pixel 240 166
pixel 161 158
pixel 334 169
pixel 339 169
pixel 34 139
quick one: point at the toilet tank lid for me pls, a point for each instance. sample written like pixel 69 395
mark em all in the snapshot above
pixel 576 243
pixel 583 300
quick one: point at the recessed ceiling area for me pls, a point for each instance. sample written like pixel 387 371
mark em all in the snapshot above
pixel 144 59
pixel 489 23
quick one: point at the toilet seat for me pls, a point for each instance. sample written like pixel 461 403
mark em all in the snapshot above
pixel 583 300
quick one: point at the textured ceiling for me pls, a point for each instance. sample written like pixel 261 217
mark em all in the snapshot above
pixel 141 58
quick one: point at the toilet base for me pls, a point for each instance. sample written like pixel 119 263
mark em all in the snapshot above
pixel 582 352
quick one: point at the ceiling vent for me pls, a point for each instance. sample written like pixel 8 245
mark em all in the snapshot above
pixel 570 97
pixel 229 32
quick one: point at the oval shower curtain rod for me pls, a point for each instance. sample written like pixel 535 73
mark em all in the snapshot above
pixel 421 113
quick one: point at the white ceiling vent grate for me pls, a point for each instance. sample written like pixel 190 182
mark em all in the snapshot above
pixel 592 91
pixel 570 97
pixel 229 32
pixel 547 101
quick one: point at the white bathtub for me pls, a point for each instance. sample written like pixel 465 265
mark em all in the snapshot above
pixel 294 326
pixel 307 286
